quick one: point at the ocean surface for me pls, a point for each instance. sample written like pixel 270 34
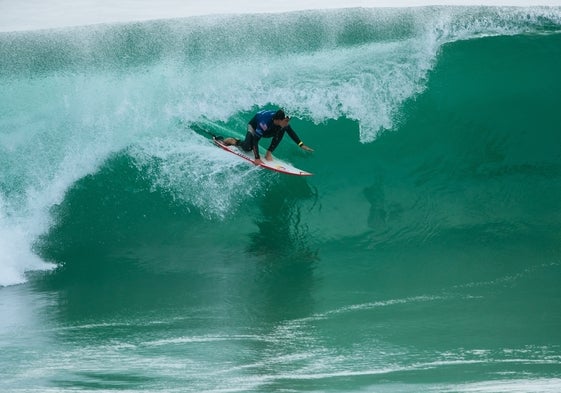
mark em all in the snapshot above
pixel 424 255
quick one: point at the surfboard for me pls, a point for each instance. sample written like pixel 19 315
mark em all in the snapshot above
pixel 274 165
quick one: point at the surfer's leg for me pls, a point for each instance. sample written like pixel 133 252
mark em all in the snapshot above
pixel 247 143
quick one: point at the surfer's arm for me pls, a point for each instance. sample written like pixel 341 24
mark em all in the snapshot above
pixel 303 146
pixel 293 135
pixel 296 139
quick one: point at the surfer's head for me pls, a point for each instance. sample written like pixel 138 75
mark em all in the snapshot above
pixel 279 115
pixel 280 118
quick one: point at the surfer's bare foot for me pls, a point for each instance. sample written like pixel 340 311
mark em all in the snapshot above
pixel 268 156
pixel 230 141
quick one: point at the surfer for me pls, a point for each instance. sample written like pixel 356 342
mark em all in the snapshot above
pixel 266 124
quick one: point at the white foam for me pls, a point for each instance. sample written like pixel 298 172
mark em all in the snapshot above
pixel 541 385
pixel 189 169
pixel 16 15
pixel 49 157
pixel 20 228
pixel 16 257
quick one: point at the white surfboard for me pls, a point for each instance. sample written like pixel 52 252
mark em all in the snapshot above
pixel 274 165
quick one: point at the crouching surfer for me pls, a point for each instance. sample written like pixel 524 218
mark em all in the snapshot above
pixel 266 124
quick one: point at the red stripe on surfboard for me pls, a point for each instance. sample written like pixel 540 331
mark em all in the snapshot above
pixel 230 150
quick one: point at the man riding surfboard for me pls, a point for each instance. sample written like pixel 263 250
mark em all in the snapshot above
pixel 266 124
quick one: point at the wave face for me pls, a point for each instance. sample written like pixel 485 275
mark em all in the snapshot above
pixel 73 98
pixel 422 255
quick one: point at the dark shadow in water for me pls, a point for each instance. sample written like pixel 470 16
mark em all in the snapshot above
pixel 286 255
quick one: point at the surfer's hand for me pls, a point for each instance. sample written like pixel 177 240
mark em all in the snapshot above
pixel 306 148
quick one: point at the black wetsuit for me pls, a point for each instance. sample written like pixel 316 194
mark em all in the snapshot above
pixel 262 126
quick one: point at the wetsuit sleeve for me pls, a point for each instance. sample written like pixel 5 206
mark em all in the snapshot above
pixel 278 137
pixel 293 135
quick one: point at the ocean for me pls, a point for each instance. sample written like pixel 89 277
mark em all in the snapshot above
pixel 424 255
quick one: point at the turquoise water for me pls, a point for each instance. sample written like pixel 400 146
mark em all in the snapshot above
pixel 423 255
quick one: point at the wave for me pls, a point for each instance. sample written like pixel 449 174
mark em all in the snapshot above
pixel 76 99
